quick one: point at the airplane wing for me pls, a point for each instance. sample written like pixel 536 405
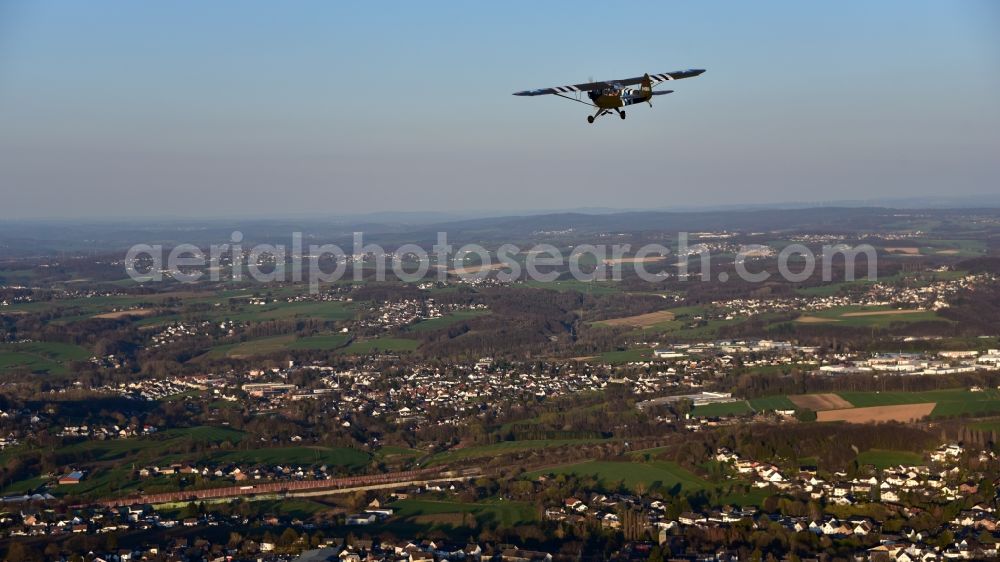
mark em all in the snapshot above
pixel 655 78
pixel 664 77
pixel 564 89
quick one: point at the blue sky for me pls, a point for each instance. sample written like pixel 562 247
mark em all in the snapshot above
pixel 259 108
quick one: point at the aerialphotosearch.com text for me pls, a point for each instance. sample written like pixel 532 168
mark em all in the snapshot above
pixel 328 263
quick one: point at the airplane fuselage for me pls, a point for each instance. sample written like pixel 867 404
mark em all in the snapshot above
pixel 612 99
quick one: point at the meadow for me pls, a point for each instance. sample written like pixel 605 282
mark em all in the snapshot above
pixel 110 464
pixel 41 357
pixel 274 344
pixel 722 409
pixel 866 316
pixel 668 475
pixel 505 447
pixel 450 513
pixel 361 347
pixel 446 320
pixel 947 403
pixel 882 459
pixel 950 402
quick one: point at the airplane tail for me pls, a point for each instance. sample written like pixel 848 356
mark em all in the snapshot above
pixel 647 85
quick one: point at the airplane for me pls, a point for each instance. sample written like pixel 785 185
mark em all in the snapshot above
pixel 612 94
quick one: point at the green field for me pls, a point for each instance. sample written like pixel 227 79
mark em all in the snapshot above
pixel 506 447
pixel 875 316
pixel 29 485
pixel 950 402
pixel 90 306
pixel 880 458
pixel 259 346
pixel 322 310
pixel 393 453
pixel 988 425
pixel 860 280
pixel 332 456
pixel 361 347
pixel 300 508
pixel 110 463
pixel 627 356
pixel 447 513
pixel 668 474
pixel 113 478
pixel 771 403
pixel 683 325
pixel 274 344
pixel 961 248
pixel 668 325
pixel 722 409
pixel 322 342
pixel 827 290
pixel 755 497
pixel 864 399
pixel 222 305
pixel 970 408
pixel 588 287
pixel 116 449
pixel 41 357
pixel 446 320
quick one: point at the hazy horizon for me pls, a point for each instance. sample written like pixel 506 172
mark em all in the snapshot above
pixel 192 110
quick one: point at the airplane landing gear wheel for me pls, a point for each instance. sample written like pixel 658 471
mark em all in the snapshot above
pixel 622 114
pixel 590 119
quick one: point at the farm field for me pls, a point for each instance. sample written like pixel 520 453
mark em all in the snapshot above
pixel 88 307
pixel 281 311
pixel 116 449
pixel 289 507
pixel 109 464
pixel 678 322
pixel 447 320
pixel 876 414
pixel 115 475
pixel 881 458
pixel 320 342
pixel 863 399
pixel 963 248
pixel 739 407
pixel 866 316
pixel 819 402
pixel 970 408
pixel 987 425
pixel 223 305
pixel 258 346
pixel 640 320
pixel 860 280
pixel 627 356
pixel 305 455
pixel 589 287
pixel 722 409
pixel 942 403
pixel 393 452
pixel 41 357
pixel 669 475
pixel 274 344
pixel 772 403
pixel 506 447
pixel 382 344
pixel 449 513
pixel 131 313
